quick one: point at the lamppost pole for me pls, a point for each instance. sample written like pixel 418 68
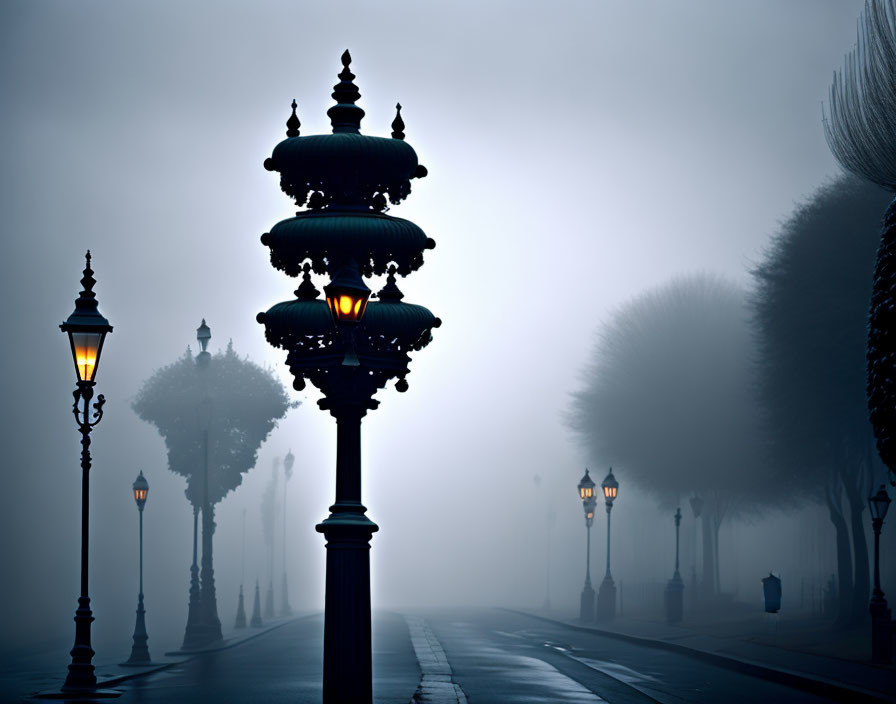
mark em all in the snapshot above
pixel 881 627
pixel 86 330
pixel 586 493
pixel 606 596
pixel 140 651
pixel 674 594
pixel 288 461
pixel 696 508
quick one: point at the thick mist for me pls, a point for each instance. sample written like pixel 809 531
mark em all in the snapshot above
pixel 578 154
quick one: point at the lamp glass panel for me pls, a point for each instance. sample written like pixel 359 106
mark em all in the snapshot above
pixel 85 348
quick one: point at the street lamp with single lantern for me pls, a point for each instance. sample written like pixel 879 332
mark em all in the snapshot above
pixel 139 651
pixel 606 596
pixel 586 493
pixel 87 330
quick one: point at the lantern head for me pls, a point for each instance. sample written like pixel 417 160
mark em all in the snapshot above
pixel 610 487
pixel 86 329
pixel 586 487
pixel 141 489
pixel 347 295
pixel 203 335
pixel 879 504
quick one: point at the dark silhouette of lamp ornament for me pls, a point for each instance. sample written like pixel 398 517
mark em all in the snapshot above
pixel 87 330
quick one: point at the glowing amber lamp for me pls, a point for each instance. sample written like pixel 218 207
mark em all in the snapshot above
pixel 141 489
pixel 586 487
pixel 610 487
pixel 347 296
pixel 86 329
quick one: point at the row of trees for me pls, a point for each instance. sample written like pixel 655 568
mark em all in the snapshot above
pixel 790 408
pixel 213 413
pixel 751 399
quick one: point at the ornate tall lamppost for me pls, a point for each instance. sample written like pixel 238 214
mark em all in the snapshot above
pixel 606 596
pixel 675 587
pixel 87 330
pixel 346 347
pixel 139 651
pixel 881 626
pixel 288 461
pixel 586 493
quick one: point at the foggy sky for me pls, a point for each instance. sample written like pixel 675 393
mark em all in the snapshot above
pixel 578 152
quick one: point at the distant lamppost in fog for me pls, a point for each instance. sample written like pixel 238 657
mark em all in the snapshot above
pixel 288 462
pixel 881 627
pixel 675 587
pixel 696 508
pixel 87 331
pixel 139 651
pixel 586 493
pixel 606 596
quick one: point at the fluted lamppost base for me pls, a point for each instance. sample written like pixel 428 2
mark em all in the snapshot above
pixel 586 610
pixel 606 600
pixel 81 676
pixel 674 599
pixel 881 632
pixel 139 651
pixel 348 670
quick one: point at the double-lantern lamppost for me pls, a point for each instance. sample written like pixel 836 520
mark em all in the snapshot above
pixel 606 595
pixel 586 493
pixel 881 626
pixel 87 330
pixel 139 651
pixel 347 347
pixel 288 462
pixel 675 587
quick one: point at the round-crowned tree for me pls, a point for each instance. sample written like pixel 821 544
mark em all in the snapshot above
pixel 668 399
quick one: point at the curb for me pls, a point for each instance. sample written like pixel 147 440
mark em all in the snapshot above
pixel 814 685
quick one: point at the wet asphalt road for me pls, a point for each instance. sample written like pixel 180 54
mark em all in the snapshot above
pixel 496 656
pixel 505 657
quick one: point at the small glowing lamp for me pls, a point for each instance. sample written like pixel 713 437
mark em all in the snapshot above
pixel 86 329
pixel 610 487
pixel 141 489
pixel 347 295
pixel 879 504
pixel 586 487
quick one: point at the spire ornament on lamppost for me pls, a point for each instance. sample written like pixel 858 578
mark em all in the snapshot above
pixel 675 587
pixel 288 461
pixel 87 330
pixel 347 347
pixel 606 596
pixel 881 625
pixel 586 493
pixel 140 651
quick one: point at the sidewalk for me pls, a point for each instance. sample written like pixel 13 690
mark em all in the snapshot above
pixel 41 675
pixel 752 652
